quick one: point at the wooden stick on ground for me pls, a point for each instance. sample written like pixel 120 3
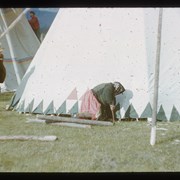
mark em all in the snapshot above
pixel 36 121
pixel 60 123
pixel 24 137
pixel 54 119
pixel 72 124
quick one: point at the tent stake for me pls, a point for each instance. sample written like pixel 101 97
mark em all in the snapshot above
pixel 156 80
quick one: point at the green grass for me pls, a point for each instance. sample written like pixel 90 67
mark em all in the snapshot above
pixel 124 147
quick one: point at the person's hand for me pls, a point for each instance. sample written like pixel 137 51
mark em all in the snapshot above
pixel 112 107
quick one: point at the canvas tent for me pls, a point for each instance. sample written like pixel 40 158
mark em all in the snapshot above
pixel 20 45
pixel 88 46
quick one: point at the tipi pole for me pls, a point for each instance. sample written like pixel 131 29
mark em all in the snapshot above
pixel 156 80
pixel 14 22
pixel 10 48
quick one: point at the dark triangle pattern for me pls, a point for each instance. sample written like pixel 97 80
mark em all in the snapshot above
pixel 14 101
pixel 39 108
pixel 174 115
pixel 50 109
pixel 147 111
pixel 21 107
pixel 62 109
pixel 131 112
pixel 30 107
pixel 161 116
pixel 74 109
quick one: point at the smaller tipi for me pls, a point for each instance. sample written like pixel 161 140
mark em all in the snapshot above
pixel 20 45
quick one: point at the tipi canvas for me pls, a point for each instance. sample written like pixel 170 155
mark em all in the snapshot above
pixel 20 45
pixel 88 46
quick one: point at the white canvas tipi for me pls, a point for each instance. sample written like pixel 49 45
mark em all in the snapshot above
pixel 20 45
pixel 88 46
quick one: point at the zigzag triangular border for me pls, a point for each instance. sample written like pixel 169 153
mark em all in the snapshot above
pixel 130 112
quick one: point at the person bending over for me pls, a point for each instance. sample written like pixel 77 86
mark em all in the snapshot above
pixel 99 103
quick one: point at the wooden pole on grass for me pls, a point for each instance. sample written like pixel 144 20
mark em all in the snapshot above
pixel 156 80
pixel 66 124
pixel 60 123
pixel 53 119
pixel 24 137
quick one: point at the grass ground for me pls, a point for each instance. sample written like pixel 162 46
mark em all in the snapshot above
pixel 123 147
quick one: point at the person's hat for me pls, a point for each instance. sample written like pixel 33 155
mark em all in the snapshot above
pixel 119 88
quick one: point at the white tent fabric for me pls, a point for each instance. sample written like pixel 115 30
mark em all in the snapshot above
pixel 24 44
pixel 88 46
